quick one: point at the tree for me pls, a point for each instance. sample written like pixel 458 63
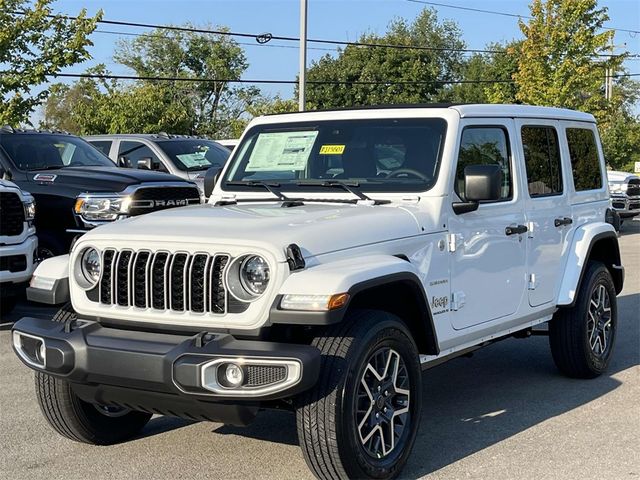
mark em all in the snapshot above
pixel 35 44
pixel 499 64
pixel 559 62
pixel 390 66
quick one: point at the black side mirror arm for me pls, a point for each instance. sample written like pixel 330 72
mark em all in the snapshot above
pixel 464 207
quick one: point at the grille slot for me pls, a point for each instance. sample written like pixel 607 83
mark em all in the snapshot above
pixel 11 214
pixel 633 189
pixel 177 281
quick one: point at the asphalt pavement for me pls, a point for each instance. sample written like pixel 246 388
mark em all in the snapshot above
pixel 505 413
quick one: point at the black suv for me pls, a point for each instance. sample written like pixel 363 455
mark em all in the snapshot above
pixel 77 188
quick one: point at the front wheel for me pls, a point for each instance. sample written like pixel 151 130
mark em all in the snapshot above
pixel 78 420
pixel 582 337
pixel 361 419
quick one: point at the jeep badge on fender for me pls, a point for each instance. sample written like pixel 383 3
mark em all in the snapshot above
pixel 340 253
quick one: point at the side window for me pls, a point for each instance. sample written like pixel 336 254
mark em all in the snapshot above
pixel 542 159
pixel 130 153
pixel 484 146
pixel 103 145
pixel 585 162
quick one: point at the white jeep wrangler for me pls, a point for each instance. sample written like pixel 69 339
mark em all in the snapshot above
pixel 340 253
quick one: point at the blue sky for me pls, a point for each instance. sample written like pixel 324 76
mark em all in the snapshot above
pixel 332 19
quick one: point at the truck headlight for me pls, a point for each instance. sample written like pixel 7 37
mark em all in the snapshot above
pixel 29 209
pixel 617 187
pixel 248 277
pixel 102 208
pixel 88 268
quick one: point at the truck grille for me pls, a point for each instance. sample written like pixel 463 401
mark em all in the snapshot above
pixel 151 199
pixel 180 282
pixel 633 189
pixel 11 214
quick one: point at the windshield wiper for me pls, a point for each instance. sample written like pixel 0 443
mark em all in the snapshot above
pixel 272 187
pixel 48 167
pixel 351 187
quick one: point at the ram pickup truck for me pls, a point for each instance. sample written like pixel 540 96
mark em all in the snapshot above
pixel 625 193
pixel 18 243
pixel 340 253
pixel 78 188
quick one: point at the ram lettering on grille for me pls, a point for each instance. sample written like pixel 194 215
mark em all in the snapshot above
pixel 179 281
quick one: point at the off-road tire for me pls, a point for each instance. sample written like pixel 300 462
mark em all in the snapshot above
pixel 76 419
pixel 325 415
pixel 568 331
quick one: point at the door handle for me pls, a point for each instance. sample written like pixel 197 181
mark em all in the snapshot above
pixel 517 230
pixel 560 222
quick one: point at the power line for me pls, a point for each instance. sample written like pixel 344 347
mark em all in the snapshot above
pixel 504 14
pixel 109 76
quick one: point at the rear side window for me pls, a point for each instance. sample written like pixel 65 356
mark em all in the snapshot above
pixel 103 145
pixel 484 146
pixel 542 160
pixel 585 162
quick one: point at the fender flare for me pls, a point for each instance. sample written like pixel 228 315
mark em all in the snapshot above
pixel 355 276
pixel 50 281
pixel 581 250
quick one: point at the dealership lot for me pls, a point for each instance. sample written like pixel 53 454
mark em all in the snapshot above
pixel 505 413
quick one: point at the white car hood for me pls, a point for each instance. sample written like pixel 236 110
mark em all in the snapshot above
pixel 614 176
pixel 315 228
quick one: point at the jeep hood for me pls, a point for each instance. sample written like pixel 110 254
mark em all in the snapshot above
pixel 315 228
pixel 99 179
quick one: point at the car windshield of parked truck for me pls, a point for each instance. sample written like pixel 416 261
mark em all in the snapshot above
pixel 40 151
pixel 384 155
pixel 194 154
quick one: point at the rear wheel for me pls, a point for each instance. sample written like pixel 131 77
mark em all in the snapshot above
pixel 78 420
pixel 361 419
pixel 582 337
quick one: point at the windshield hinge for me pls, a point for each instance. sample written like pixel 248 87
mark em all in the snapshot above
pixel 411 199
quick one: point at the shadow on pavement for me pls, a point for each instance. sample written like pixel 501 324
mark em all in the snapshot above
pixel 471 404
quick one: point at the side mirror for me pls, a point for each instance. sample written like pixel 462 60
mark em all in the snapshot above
pixel 145 163
pixel 123 162
pixel 481 183
pixel 210 180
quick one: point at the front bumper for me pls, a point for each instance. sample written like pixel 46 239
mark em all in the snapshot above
pixel 626 206
pixel 161 373
pixel 10 252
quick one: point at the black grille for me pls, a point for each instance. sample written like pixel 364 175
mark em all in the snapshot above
pixel 151 199
pixel 179 281
pixel 11 214
pixel 633 189
pixel 258 375
pixel 13 263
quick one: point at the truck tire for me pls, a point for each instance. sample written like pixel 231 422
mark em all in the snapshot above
pixel 582 336
pixel 370 382
pixel 78 420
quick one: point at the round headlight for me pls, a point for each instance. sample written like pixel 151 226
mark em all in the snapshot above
pixel 254 275
pixel 91 265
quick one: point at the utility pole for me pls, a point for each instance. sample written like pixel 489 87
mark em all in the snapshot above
pixel 302 77
pixel 610 72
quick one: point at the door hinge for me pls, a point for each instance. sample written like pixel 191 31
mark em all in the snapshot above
pixel 530 229
pixel 532 281
pixel 458 299
pixel 451 242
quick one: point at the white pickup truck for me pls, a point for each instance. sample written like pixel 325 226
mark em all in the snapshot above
pixel 339 254
pixel 18 242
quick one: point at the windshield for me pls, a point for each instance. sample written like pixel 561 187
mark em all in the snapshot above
pixel 188 155
pixel 41 151
pixel 387 155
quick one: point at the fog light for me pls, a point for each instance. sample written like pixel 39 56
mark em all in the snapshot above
pixel 233 375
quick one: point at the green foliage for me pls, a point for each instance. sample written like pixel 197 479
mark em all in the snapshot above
pixel 33 46
pixel 217 107
pixel 558 64
pixel 364 64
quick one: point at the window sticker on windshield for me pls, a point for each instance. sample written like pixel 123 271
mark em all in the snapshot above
pixel 194 159
pixel 332 149
pixel 281 151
